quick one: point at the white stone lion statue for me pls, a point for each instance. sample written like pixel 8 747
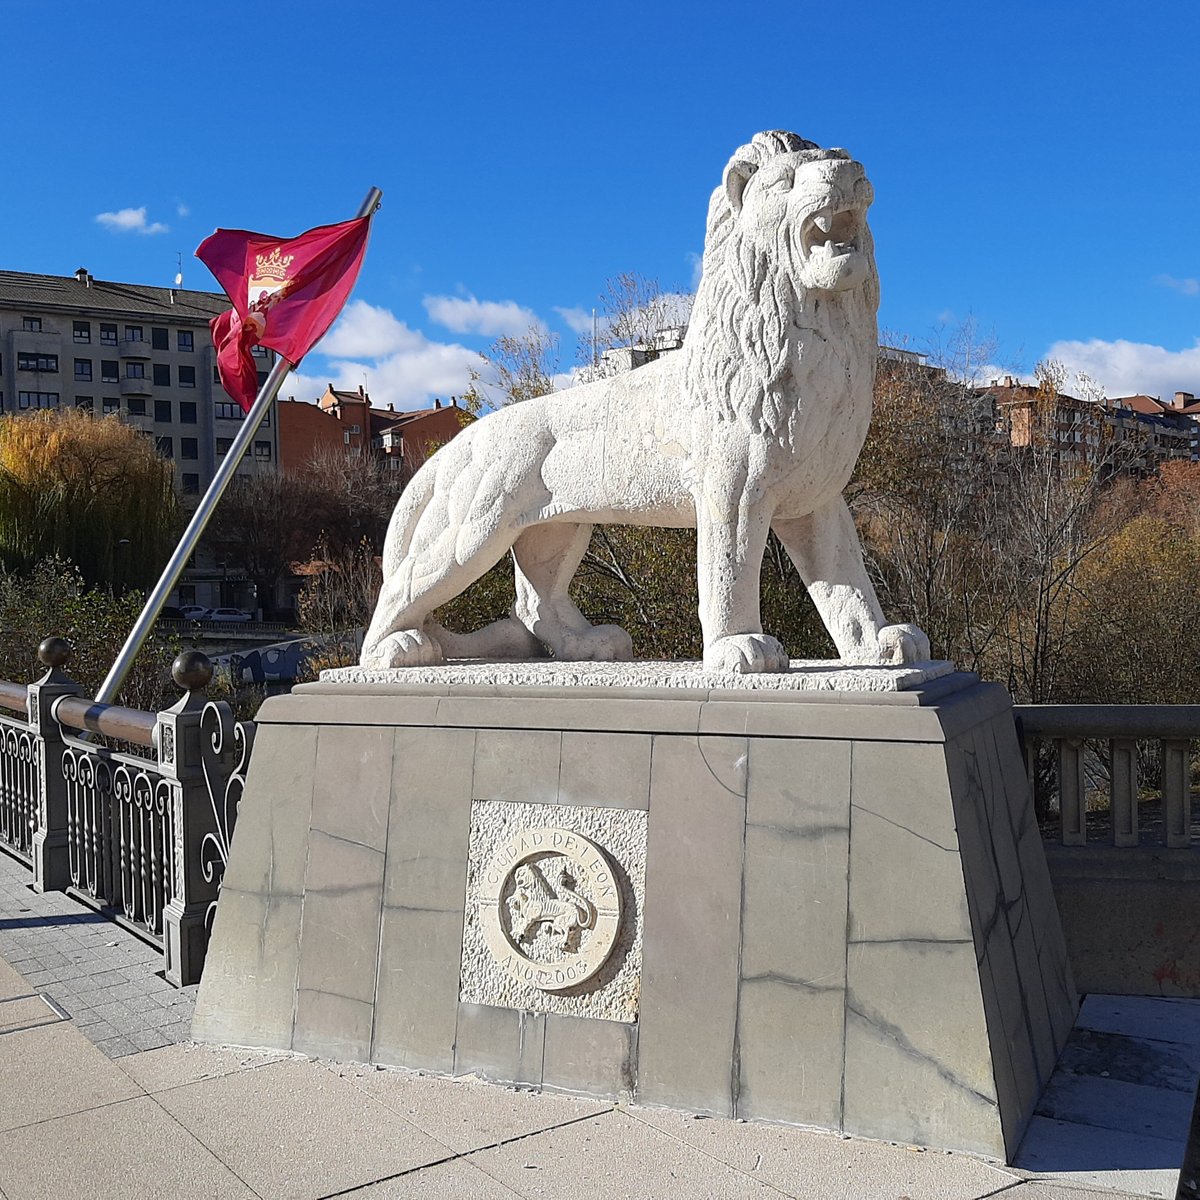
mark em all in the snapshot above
pixel 754 425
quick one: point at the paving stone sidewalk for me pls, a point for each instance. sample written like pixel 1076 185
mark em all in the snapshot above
pixel 107 980
pixel 102 1095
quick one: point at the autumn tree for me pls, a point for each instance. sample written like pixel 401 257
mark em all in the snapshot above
pixel 89 490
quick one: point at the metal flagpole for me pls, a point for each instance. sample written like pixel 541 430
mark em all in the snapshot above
pixel 204 510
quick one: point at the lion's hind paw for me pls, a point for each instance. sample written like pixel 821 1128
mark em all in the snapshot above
pixel 900 644
pixel 404 648
pixel 746 654
pixel 597 643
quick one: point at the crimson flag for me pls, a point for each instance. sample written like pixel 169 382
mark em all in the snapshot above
pixel 286 293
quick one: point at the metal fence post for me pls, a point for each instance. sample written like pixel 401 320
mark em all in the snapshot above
pixel 50 844
pixel 178 741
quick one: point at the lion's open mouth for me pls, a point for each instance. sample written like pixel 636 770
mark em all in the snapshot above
pixel 832 233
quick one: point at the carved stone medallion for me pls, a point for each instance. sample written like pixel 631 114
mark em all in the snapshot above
pixel 550 907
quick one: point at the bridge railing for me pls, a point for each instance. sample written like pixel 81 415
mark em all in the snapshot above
pixel 142 832
pixel 1120 772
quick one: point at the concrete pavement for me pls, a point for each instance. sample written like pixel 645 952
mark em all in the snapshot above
pixel 96 1116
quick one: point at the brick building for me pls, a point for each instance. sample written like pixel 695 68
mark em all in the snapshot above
pixel 347 420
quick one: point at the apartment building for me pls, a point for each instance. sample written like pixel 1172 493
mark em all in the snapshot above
pixel 143 354
pixel 348 422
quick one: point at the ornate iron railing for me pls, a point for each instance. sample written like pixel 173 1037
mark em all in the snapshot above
pixel 143 838
pixel 120 837
pixel 222 738
pixel 19 783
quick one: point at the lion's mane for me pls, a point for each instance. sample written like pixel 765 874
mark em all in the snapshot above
pixel 751 315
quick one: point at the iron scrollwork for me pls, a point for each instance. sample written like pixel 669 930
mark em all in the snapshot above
pixel 225 757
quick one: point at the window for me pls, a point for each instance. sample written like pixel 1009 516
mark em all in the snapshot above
pixel 189 448
pixel 395 462
pixel 85 402
pixel 37 399
pixel 109 372
pixel 82 331
pixel 226 411
pixel 187 412
pixel 162 412
pixel 355 429
pixel 32 324
pixel 185 341
pixel 133 333
pixel 108 335
pixel 187 377
pixel 259 351
pixel 165 446
pixel 162 375
pixel 136 408
pixel 83 369
pixel 37 362
pixel 191 487
pixel 135 370
pixel 216 375
pixel 112 404
pixel 262 449
pixel 187 591
pixel 160 339
pixel 224 445
pixel 346 436
pixel 262 377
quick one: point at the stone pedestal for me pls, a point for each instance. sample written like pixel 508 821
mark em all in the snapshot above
pixel 824 908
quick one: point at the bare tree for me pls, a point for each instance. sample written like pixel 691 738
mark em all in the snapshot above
pixel 635 311
pixel 515 367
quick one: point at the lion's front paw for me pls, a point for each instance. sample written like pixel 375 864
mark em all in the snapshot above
pixel 745 654
pixel 405 648
pixel 900 644
pixel 598 643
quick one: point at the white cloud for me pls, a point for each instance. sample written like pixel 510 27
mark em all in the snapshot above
pixel 402 366
pixel 365 331
pixel 1124 368
pixel 578 320
pixel 182 210
pixel 130 220
pixel 1189 287
pixel 696 262
pixel 494 318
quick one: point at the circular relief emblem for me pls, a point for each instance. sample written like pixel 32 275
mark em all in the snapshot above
pixel 550 907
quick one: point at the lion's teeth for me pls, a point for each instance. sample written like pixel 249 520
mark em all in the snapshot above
pixel 824 222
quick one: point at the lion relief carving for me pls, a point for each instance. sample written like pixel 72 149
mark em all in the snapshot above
pixel 756 424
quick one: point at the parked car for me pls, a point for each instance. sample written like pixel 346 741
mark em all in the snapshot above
pixel 168 613
pixel 192 612
pixel 228 614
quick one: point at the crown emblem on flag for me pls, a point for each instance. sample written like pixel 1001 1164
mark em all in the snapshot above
pixel 273 265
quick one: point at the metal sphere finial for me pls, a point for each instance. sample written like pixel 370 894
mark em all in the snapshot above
pixel 54 652
pixel 192 670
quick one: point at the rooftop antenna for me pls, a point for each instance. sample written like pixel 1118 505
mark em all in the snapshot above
pixel 179 273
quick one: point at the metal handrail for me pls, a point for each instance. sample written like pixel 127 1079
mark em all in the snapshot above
pixel 129 724
pixel 12 695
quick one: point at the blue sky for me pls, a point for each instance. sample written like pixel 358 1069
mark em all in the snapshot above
pixel 1035 166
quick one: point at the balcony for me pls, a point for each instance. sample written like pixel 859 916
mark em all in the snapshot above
pixel 135 387
pixel 133 348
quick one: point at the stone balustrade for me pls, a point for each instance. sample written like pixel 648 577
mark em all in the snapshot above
pixel 140 832
pixel 1094 741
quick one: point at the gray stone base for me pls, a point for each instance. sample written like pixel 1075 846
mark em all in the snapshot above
pixel 846 918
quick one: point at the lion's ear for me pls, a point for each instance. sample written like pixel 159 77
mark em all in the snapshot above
pixel 737 175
